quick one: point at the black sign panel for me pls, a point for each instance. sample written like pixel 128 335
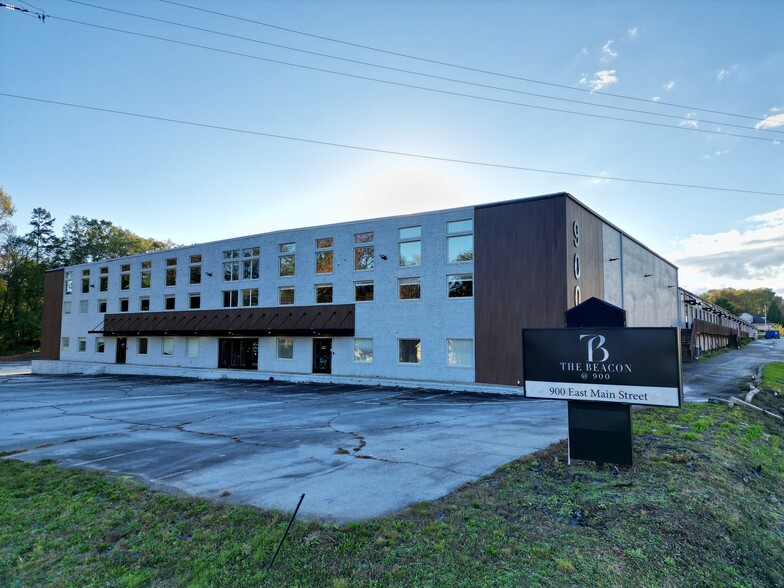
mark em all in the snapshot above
pixel 629 366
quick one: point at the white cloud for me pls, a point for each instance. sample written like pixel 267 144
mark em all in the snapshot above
pixel 601 79
pixel 775 109
pixel 715 154
pixel 656 98
pixel 724 73
pixel 584 51
pixel 669 85
pixel 771 122
pixel 690 121
pixel 607 51
pixel 749 258
pixel 633 32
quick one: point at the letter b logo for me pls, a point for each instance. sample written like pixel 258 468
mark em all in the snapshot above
pixel 595 345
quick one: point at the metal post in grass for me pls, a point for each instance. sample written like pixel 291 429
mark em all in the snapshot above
pixel 286 532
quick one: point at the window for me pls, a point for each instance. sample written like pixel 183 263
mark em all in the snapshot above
pixel 146 274
pixel 250 297
pixel 68 282
pixel 192 347
pixel 363 291
pixel 102 306
pixel 324 258
pixel 323 293
pixel 168 302
pixel 144 304
pixel 363 350
pixel 65 343
pixel 363 251
pixel 194 301
pixel 67 307
pixel 231 298
pixel 410 246
pixel 85 281
pixel 100 344
pixel 460 286
pixel 250 263
pixel 83 306
pixel 104 279
pixel 195 269
pixel 460 352
pixel 286 295
pixel 409 288
pixel 167 346
pixel 125 276
pixel 231 265
pixel 141 346
pixel 410 350
pixel 171 272
pixel 82 344
pixel 287 259
pixel 285 347
pixel 123 305
pixel 460 241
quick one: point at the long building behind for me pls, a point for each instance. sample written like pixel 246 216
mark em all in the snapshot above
pixel 432 298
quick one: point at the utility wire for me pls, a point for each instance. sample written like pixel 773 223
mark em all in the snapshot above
pixel 412 86
pixel 39 15
pixel 455 65
pixel 388 151
pixel 417 73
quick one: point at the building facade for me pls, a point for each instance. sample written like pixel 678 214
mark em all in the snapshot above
pixel 706 327
pixel 437 297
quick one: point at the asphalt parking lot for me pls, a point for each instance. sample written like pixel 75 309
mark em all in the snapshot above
pixel 354 452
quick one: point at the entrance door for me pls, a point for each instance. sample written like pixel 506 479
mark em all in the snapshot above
pixel 322 356
pixel 122 350
pixel 238 354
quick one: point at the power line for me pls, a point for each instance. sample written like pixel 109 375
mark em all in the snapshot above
pixel 457 66
pixel 412 86
pixel 39 15
pixel 417 73
pixel 387 151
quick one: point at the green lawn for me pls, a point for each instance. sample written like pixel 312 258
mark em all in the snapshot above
pixel 703 507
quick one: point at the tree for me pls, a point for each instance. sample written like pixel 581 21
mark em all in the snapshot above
pixel 7 210
pixel 726 304
pixel 42 238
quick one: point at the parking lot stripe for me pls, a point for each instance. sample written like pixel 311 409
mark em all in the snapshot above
pixel 78 465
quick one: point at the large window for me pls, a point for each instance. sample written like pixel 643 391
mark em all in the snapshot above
pixel 102 305
pixel 100 344
pixel 285 347
pixel 69 282
pixel 83 306
pixel 192 349
pixel 363 291
pixel 323 293
pixel 146 276
pixel 104 279
pixel 324 256
pixel 125 276
pixel 410 350
pixel 231 298
pixel 231 265
pixel 66 343
pixel 410 246
pixel 286 295
pixel 250 263
pixel 141 346
pixel 167 346
pixel 82 341
pixel 171 272
pixel 194 301
pixel 85 281
pixel 144 304
pixel 363 350
pixel 409 289
pixel 287 259
pixel 364 251
pixel 460 352
pixel 67 307
pixel 169 302
pixel 460 285
pixel 123 305
pixel 250 297
pixel 195 269
pixel 460 241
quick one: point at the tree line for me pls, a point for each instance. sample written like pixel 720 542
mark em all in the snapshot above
pixel 24 258
pixel 759 301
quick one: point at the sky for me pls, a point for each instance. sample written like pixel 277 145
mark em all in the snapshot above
pixel 298 113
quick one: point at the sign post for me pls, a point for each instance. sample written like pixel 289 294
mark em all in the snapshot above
pixel 602 370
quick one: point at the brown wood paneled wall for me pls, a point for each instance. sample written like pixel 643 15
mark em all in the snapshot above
pixel 520 280
pixel 51 325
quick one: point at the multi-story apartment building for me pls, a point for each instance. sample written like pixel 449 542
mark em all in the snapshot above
pixel 432 298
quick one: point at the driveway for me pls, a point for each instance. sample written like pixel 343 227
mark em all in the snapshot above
pixel 355 452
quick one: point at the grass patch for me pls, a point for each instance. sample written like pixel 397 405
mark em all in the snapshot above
pixel 773 377
pixel 702 507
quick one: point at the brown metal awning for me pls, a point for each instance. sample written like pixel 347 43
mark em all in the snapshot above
pixel 324 319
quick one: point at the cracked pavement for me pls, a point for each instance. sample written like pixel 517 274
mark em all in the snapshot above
pixel 355 452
